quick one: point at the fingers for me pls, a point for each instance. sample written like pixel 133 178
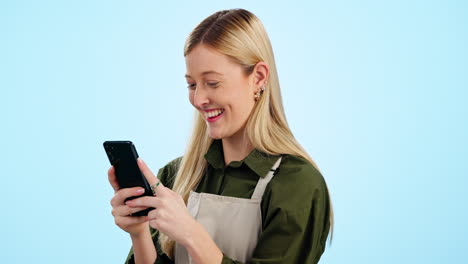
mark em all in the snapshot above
pixel 150 176
pixel 113 179
pixel 154 222
pixel 123 194
pixel 145 201
pixel 124 210
pixel 126 221
pixel 147 172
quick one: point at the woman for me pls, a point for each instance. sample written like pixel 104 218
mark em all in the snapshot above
pixel 245 190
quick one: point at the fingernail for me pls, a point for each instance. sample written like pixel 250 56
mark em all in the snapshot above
pixel 140 191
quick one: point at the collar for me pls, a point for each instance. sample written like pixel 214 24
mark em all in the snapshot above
pixel 257 161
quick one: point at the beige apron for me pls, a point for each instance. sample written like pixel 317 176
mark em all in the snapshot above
pixel 234 224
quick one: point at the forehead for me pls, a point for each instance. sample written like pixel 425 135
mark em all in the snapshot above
pixel 205 59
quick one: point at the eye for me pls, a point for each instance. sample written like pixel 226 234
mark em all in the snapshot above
pixel 213 84
pixel 191 86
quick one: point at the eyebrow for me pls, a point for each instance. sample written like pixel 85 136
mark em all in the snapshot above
pixel 205 73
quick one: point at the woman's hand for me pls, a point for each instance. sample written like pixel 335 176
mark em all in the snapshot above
pixel 171 215
pixel 134 225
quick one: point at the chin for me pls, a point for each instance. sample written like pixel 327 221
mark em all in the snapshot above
pixel 215 135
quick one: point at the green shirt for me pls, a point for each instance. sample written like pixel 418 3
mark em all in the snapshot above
pixel 295 205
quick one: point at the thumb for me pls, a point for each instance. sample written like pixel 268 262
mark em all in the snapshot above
pixel 148 173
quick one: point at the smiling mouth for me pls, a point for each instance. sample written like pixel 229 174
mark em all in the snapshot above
pixel 214 113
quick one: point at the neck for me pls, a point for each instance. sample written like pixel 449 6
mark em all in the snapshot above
pixel 236 147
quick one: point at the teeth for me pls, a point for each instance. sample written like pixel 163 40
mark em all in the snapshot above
pixel 214 113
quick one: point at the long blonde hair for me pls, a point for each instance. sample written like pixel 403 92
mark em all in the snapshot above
pixel 240 35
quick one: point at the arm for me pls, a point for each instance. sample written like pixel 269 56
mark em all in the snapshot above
pixel 161 257
pixel 146 247
pixel 136 226
pixel 201 247
pixel 172 217
pixel 143 247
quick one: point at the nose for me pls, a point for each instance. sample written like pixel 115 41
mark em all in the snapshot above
pixel 200 98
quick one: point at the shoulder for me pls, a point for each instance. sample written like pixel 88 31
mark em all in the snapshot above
pixel 294 171
pixel 167 173
pixel 297 185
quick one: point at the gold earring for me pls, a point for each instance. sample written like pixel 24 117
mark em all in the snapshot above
pixel 257 94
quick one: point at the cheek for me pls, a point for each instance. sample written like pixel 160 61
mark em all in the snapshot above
pixel 191 95
pixel 243 103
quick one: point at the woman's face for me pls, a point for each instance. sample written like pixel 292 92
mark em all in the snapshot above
pixel 220 91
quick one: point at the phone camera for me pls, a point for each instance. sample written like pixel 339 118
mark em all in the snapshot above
pixel 109 154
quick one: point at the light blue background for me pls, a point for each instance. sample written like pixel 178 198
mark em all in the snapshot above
pixel 376 91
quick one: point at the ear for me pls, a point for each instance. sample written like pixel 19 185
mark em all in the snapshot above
pixel 260 74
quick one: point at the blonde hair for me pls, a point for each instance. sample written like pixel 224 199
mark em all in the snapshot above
pixel 240 35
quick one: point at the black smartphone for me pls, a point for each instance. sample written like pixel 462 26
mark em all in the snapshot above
pixel 123 156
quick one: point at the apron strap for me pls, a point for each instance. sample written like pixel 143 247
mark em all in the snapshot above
pixel 263 182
